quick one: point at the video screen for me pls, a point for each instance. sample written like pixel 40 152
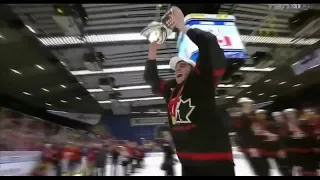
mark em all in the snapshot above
pixel 225 30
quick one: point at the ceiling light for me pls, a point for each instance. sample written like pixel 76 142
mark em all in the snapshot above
pixel 226 85
pixel 26 93
pixel 44 89
pixel 277 40
pixel 78 98
pixel 95 38
pixel 297 85
pixel 273 96
pixel 102 38
pixel 150 112
pixel 243 86
pixel 283 82
pixel 40 67
pixel 260 94
pixel 254 69
pixel 160 67
pixel 15 71
pixel 95 90
pixel 148 87
pixel 130 100
pixel 2 37
pixel 145 99
pixel 63 101
pixel 63 86
pixel 132 87
pixel 63 63
pixel 135 99
pixel 249 92
pixel 30 28
pixel 140 99
pixel 268 80
pixel 48 104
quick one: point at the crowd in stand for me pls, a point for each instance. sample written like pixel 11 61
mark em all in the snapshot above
pixel 66 151
pixel 93 158
pixel 290 137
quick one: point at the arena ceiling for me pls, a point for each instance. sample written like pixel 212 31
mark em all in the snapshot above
pixel 30 75
pixel 108 24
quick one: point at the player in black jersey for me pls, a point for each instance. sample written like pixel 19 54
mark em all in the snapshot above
pixel 169 152
pixel 190 97
pixel 308 162
pixel 281 158
pixel 248 140
pixel 294 140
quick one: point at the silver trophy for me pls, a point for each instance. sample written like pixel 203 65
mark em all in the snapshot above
pixel 159 31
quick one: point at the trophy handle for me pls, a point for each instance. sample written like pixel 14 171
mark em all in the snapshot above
pixel 158 32
pixel 147 30
pixel 165 18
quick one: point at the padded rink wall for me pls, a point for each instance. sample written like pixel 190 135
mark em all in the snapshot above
pixel 18 163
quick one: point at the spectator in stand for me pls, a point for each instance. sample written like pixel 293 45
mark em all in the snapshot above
pixel 57 157
pixel 140 156
pixel 91 159
pixel 73 156
pixel 51 155
pixel 115 153
pixel 125 156
pixel 101 160
pixel 134 156
pixel 84 154
pixel 129 146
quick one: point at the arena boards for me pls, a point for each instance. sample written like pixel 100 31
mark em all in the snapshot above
pixel 18 163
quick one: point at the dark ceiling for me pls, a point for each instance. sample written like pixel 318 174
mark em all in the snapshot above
pixel 30 73
pixel 115 19
pixel 282 81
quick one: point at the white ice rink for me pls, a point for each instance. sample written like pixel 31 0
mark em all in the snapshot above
pixel 153 163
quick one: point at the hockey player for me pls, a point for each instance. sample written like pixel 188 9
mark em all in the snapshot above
pixel 248 140
pixel 266 137
pixel 308 142
pixel 281 158
pixel 293 142
pixel 190 99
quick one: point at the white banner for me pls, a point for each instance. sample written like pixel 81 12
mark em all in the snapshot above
pixel 307 62
pixel 85 118
pixel 18 163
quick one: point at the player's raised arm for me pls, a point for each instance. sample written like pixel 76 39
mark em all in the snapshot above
pixel 211 61
pixel 151 75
